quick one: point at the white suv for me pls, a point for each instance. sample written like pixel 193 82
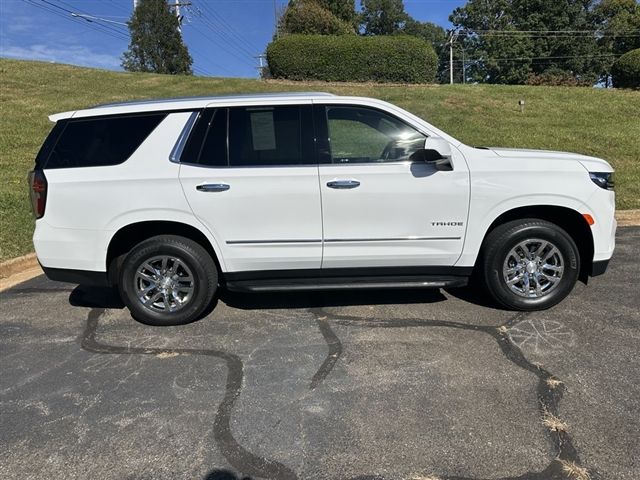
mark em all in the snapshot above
pixel 172 199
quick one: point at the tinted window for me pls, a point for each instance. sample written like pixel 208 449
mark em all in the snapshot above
pixel 214 149
pixel 192 148
pixel 95 142
pixel 266 136
pixel 365 135
pixel 49 143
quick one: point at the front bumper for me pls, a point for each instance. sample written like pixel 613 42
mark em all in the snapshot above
pixel 599 267
pixel 79 277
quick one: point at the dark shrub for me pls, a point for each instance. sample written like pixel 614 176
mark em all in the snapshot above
pixel 350 58
pixel 626 70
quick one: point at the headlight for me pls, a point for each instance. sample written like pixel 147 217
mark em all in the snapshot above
pixel 602 179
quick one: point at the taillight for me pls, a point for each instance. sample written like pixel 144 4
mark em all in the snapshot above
pixel 38 192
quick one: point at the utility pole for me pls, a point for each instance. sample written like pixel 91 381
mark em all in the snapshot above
pixel 176 7
pixel 275 19
pixel 452 38
pixel 262 66
pixel 464 70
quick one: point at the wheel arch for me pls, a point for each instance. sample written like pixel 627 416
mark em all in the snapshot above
pixel 132 234
pixel 566 218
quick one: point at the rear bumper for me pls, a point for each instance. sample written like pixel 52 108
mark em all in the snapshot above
pixel 79 277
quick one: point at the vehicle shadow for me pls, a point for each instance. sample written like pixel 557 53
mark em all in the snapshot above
pixel 95 297
pixel 105 297
pixel 279 300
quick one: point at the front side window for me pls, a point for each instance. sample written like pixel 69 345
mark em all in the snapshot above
pixel 366 135
pixel 96 142
pixel 265 136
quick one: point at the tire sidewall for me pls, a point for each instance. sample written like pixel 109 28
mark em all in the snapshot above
pixel 201 293
pixel 511 238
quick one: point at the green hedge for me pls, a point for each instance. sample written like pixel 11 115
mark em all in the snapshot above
pixel 350 58
pixel 626 70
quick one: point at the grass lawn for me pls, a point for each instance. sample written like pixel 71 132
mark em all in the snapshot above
pixel 603 123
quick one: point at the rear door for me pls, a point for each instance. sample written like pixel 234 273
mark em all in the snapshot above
pixel 380 207
pixel 254 183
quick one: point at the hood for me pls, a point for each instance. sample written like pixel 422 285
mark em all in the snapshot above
pixel 591 164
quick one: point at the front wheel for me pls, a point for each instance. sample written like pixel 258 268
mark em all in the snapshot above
pixel 530 264
pixel 167 280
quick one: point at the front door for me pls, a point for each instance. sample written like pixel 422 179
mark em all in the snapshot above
pixel 379 207
pixel 256 189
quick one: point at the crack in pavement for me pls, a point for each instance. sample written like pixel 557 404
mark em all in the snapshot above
pixel 549 390
pixel 235 453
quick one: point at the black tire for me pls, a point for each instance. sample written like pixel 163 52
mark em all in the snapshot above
pixel 192 256
pixel 504 238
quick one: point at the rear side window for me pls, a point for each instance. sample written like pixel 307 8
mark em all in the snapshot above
pixel 97 142
pixel 266 136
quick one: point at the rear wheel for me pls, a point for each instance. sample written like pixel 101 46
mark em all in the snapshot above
pixel 167 280
pixel 530 264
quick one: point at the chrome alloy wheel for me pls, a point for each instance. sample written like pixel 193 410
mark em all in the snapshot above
pixel 164 284
pixel 533 268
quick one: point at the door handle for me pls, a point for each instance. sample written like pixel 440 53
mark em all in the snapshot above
pixel 343 184
pixel 213 187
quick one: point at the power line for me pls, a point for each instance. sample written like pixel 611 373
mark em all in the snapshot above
pixel 92 26
pixel 227 26
pixel 220 45
pixel 108 26
pixel 509 59
pixel 225 37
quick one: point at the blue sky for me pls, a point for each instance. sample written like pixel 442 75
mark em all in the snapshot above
pixel 223 36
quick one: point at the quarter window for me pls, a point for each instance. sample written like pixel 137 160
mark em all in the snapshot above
pixel 365 135
pixel 96 142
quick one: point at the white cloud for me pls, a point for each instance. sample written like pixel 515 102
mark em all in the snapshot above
pixel 73 54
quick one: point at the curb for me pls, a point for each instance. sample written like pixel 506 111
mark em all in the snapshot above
pixel 21 269
pixel 18 264
pixel 628 218
pixel 18 270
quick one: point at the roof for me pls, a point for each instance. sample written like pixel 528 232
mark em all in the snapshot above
pixel 162 104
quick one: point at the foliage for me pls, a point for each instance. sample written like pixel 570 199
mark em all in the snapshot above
pixel 156 44
pixel 349 58
pixel 626 70
pixel 310 17
pixel 382 17
pixel 556 78
pixel 432 33
pixel 501 57
pixel 345 10
pixel 618 20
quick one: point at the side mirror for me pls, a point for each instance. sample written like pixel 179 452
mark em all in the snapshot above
pixel 437 145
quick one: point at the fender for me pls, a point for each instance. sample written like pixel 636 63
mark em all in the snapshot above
pixel 480 221
pixel 164 215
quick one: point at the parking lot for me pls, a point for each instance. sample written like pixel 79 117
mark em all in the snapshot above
pixel 367 385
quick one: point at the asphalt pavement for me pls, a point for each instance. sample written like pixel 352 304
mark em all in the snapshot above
pixel 364 385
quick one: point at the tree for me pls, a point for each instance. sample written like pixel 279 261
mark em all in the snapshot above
pixel 382 17
pixel 511 38
pixel 156 44
pixel 626 70
pixel 312 17
pixel 345 10
pixel 619 22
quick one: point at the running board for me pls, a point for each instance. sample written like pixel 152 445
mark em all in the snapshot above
pixel 346 283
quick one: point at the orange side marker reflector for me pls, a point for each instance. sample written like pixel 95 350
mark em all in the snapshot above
pixel 588 218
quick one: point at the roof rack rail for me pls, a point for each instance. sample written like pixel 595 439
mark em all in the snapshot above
pixel 214 97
